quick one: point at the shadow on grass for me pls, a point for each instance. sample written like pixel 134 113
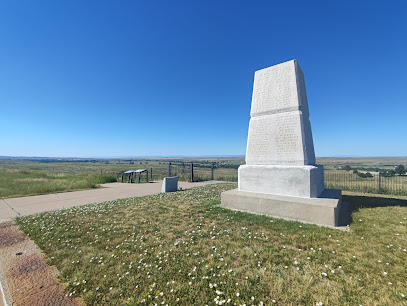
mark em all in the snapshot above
pixel 354 203
pixel 357 202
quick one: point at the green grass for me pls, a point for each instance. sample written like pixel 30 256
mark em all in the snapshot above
pixel 182 248
pixel 25 178
pixel 15 183
pixel 59 176
pixel 396 185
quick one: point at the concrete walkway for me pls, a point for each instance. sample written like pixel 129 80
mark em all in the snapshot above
pixel 14 207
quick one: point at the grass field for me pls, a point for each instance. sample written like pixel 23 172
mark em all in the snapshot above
pixel 15 183
pixel 30 177
pixel 331 163
pixel 24 178
pixel 348 181
pixel 182 248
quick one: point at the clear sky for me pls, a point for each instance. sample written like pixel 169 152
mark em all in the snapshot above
pixel 164 78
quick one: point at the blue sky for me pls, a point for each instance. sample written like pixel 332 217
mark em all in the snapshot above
pixel 165 78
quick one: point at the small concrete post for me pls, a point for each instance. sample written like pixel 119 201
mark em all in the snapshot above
pixel 212 167
pixel 169 169
pixel 192 173
pixel 170 184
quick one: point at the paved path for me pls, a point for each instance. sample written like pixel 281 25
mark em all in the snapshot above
pixel 14 207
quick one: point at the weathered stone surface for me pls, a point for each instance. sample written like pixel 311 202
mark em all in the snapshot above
pixel 280 139
pixel 280 156
pixel 280 177
pixel 300 181
pixel 279 128
pixel 324 210
pixel 170 184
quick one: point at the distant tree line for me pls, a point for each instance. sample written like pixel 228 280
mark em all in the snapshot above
pixel 362 174
pixel 230 166
pixel 398 170
pixel 68 161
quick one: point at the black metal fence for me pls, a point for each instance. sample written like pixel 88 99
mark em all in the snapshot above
pixel 377 183
pixel 349 181
pixel 196 172
pixel 186 171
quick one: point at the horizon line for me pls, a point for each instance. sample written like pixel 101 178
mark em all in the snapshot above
pixel 175 156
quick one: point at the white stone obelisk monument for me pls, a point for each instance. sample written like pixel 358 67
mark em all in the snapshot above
pixel 280 177
pixel 280 156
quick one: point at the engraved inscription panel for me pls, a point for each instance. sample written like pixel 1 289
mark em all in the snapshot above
pixel 258 142
pixel 276 140
pixel 279 130
pixel 275 88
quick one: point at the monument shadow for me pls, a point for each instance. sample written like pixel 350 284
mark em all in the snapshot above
pixel 356 202
pixel 352 203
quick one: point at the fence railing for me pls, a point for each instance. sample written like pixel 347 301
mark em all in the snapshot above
pixel 192 172
pixel 348 181
pixel 378 183
pixel 186 171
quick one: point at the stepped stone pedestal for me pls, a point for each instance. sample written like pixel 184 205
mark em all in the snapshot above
pixel 280 177
pixel 295 181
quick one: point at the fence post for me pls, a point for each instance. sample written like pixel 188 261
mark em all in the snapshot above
pixel 212 167
pixel 139 177
pixel 182 169
pixel 151 173
pixel 192 173
pixel 147 176
pixel 380 182
pixel 169 169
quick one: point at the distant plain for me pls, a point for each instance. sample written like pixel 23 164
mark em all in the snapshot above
pixel 19 177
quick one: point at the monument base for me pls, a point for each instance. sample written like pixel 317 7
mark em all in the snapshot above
pixel 324 210
pixel 296 181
